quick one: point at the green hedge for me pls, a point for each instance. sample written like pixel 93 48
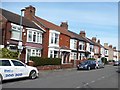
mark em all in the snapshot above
pixel 45 61
pixel 104 60
pixel 5 53
pixel 91 58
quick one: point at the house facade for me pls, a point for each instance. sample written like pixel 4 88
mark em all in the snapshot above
pixel 31 35
pixel 44 39
pixel 56 41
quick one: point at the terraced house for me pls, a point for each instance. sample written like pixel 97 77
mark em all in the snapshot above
pixel 31 35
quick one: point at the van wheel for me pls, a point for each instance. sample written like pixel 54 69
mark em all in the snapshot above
pixel 33 74
pixel 89 68
pixel 1 79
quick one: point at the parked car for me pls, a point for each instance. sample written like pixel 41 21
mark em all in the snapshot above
pixel 88 64
pixel 99 64
pixel 13 69
pixel 116 63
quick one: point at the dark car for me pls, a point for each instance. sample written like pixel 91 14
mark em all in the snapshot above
pixel 88 64
pixel 116 63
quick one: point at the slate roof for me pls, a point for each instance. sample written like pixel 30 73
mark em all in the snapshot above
pixel 15 18
pixel 52 26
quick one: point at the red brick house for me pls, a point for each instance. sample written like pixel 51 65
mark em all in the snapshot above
pixel 31 35
pixel 56 41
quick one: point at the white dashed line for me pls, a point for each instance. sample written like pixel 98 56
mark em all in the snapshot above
pixel 77 87
pixel 103 77
pixel 92 81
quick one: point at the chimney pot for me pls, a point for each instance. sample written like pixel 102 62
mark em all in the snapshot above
pixel 82 33
pixel 110 46
pixel 64 25
pixel 94 39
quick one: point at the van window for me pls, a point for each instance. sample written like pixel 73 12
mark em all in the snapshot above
pixel 5 63
pixel 17 63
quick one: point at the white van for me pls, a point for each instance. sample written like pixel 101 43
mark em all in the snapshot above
pixel 12 69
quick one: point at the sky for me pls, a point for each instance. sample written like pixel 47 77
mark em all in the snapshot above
pixel 97 19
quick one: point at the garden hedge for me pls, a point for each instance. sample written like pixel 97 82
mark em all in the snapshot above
pixel 39 61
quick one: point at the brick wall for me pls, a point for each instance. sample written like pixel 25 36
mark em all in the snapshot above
pixel 64 40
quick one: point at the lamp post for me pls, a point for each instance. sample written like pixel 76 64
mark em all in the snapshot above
pixel 20 47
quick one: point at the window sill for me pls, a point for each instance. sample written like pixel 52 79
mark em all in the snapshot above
pixel 33 42
pixel 15 39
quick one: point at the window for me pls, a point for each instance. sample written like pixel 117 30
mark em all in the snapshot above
pixel 34 36
pixel 33 52
pixel 16 63
pixel 75 44
pixel 15 32
pixel 30 36
pixel 5 63
pixel 53 54
pixel 80 47
pixel 54 38
pixel 38 53
pixel 73 56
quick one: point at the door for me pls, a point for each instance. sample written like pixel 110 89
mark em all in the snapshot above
pixel 20 69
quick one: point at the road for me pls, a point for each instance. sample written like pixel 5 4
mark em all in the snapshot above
pixel 71 78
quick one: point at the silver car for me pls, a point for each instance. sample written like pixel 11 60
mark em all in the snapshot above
pixel 99 64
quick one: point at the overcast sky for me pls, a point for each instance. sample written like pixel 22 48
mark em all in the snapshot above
pixel 98 19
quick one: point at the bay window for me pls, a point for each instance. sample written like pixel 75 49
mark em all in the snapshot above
pixel 34 36
pixel 53 54
pixel 15 32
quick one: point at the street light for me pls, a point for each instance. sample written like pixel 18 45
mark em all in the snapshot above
pixel 20 47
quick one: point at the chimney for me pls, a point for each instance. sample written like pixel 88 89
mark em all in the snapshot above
pixel 29 12
pixel 114 48
pixel 98 41
pixel 64 25
pixel 82 33
pixel 110 46
pixel 94 39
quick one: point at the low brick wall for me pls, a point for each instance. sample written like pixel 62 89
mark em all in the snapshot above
pixel 67 65
pixel 49 67
pixel 54 67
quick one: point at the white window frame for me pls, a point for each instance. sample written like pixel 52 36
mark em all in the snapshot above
pixel 16 29
pixel 52 35
pixel 82 46
pixel 36 39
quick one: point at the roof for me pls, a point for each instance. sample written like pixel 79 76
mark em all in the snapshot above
pixel 97 44
pixel 76 36
pixel 15 18
pixel 52 26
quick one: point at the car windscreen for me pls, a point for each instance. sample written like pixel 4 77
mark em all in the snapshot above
pixel 84 63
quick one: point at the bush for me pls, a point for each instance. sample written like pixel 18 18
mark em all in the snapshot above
pixel 104 60
pixel 91 58
pixel 45 61
pixel 9 54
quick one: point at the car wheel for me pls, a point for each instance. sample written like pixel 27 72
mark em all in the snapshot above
pixel 95 67
pixel 89 68
pixel 33 74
